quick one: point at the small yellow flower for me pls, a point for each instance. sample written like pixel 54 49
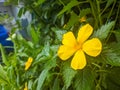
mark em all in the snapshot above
pixel 28 63
pixel 79 46
pixel 83 19
pixel 26 88
pixel 64 26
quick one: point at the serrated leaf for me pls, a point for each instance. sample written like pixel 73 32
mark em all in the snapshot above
pixel 103 32
pixel 59 33
pixel 68 6
pixel 84 80
pixel 112 57
pixel 68 74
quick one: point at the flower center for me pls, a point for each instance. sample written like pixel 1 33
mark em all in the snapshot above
pixel 78 46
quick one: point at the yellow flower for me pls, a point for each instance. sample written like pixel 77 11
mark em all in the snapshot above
pixel 26 88
pixel 28 63
pixel 79 46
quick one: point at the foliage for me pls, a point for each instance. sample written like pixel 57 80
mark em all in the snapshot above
pixel 51 19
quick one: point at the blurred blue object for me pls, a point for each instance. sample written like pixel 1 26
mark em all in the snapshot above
pixel 3 36
pixel 3 33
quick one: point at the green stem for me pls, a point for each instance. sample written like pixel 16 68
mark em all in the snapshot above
pixel 114 25
pixel 111 11
pixel 93 12
pixel 99 15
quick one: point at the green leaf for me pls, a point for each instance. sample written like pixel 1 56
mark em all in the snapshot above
pixel 68 74
pixel 68 6
pixel 20 12
pixel 84 80
pixel 73 19
pixel 34 35
pixel 42 78
pixel 103 32
pixel 3 76
pixel 111 57
pixel 84 12
pixel 39 2
pixel 109 2
pixel 49 64
pixel 4 58
pixel 58 32
pixel 56 85
pixel 112 79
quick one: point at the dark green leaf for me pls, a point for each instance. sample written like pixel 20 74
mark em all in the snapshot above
pixel 112 79
pixel 73 19
pixel 68 6
pixel 109 2
pixel 20 13
pixel 84 80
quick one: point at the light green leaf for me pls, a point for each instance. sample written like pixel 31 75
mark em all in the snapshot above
pixel 68 74
pixel 43 75
pixel 84 80
pixel 3 76
pixel 39 2
pixel 68 6
pixel 34 35
pixel 4 58
pixel 103 32
pixel 59 33
pixel 42 78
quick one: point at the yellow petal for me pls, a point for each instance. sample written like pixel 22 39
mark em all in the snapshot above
pixel 79 60
pixel 26 88
pixel 69 39
pixel 84 33
pixel 64 52
pixel 28 63
pixel 92 47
